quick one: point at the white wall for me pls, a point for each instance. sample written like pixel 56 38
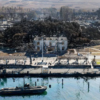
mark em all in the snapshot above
pixel 53 43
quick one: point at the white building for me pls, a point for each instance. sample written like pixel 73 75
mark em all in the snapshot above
pixel 4 24
pixel 50 44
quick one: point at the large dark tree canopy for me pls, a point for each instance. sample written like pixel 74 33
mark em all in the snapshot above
pixel 47 27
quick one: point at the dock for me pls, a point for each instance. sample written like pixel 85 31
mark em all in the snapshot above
pixel 51 71
pixel 20 66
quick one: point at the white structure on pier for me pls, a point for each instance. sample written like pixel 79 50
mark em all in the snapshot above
pixel 51 44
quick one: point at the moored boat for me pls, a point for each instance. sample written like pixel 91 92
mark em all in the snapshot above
pixel 26 89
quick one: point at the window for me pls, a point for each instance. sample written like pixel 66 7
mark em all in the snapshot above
pixel 50 49
pixel 63 48
pixel 38 43
pixel 62 43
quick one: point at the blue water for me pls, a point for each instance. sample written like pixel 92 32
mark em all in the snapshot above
pixel 71 89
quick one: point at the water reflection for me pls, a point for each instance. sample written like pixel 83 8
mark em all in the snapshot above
pixel 88 86
pixel 3 81
pixel 61 88
pixel 78 95
pixel 99 88
pixel 31 82
pixel 44 81
pixel 62 83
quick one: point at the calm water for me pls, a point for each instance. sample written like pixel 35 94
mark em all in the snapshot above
pixel 71 89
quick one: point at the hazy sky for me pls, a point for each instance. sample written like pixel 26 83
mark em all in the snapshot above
pixel 52 0
pixel 50 3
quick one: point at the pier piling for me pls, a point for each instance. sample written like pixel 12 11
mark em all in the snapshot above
pixel 50 72
pixel 35 83
pixel 88 86
pixel 27 72
pixel 62 81
pixel 49 86
pixel 13 80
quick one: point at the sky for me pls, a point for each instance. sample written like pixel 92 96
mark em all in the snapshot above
pixel 51 3
pixel 3 1
pixel 54 0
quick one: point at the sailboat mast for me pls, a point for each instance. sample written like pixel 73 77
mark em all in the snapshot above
pixel 42 49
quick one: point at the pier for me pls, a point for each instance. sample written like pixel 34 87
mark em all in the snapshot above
pixel 20 66
pixel 55 71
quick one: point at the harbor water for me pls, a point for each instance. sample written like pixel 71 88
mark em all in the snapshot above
pixel 61 88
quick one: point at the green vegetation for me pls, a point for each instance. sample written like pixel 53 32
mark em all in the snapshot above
pixel 92 32
pixel 98 62
pixel 25 31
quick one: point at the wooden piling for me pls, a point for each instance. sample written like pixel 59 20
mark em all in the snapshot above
pixel 49 86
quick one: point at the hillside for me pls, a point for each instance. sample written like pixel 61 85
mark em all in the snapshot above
pixel 51 3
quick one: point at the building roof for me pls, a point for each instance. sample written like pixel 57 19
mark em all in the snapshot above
pixel 51 38
pixel 72 57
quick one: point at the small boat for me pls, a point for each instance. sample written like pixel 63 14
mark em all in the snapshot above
pixel 26 89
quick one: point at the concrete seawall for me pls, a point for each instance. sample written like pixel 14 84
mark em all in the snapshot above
pixel 51 71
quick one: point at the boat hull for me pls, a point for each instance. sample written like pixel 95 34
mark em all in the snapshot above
pixel 23 91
